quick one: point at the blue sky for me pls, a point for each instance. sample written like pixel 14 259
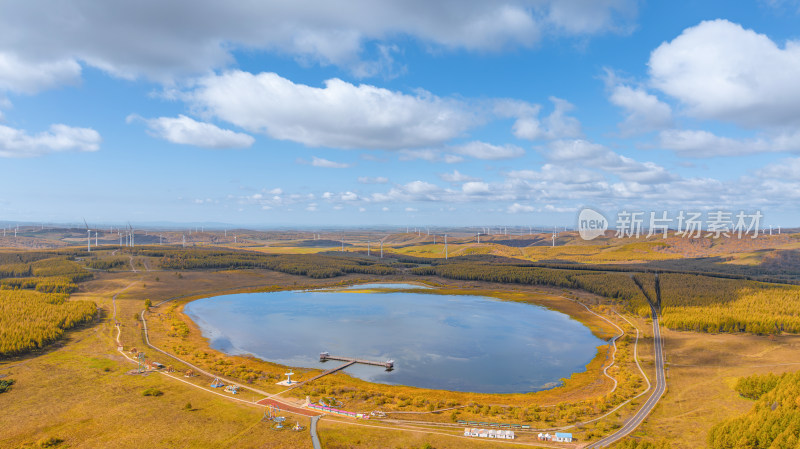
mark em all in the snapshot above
pixel 511 112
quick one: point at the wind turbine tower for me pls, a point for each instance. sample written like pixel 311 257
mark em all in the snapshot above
pixel 88 236
pixel 445 247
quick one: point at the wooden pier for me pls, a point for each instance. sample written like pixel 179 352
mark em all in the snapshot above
pixel 324 357
pixel 330 371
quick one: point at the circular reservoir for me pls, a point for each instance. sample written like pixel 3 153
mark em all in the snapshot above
pixel 446 342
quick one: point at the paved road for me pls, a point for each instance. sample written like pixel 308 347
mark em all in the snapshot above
pixel 314 436
pixel 661 386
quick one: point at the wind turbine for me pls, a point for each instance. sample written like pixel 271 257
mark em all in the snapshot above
pixel 368 248
pixel 184 240
pixel 382 247
pixel 88 236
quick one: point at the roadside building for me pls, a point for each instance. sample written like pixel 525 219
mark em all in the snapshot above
pixel 563 437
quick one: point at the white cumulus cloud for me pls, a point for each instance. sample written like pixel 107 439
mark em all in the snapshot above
pixel 483 150
pixel 60 138
pixel 719 70
pixel 30 77
pixel 589 154
pixel 340 115
pixel 557 125
pixel 644 112
pixel 475 188
pixel 187 131
pixel 520 208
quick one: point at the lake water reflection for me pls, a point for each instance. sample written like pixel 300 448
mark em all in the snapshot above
pixel 450 342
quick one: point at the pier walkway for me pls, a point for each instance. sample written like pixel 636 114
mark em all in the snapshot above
pixel 324 356
pixel 325 373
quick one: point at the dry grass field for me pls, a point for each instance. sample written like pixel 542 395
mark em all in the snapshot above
pixel 702 370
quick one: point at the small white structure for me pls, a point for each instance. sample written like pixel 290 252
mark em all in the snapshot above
pixel 288 382
pixel 491 433
pixel 563 437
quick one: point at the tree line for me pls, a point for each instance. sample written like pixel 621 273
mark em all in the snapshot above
pixel 34 306
pixel 618 286
pixel 310 265
pixel 774 420
pixel 31 320
pixel 708 304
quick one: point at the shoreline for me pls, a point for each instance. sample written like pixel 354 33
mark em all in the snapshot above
pixel 554 301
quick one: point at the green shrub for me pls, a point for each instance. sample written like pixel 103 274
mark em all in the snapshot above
pixel 152 392
pixel 6 384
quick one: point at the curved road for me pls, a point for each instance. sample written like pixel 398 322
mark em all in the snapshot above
pixel 661 386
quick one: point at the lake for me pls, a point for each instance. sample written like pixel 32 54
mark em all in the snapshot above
pixel 446 342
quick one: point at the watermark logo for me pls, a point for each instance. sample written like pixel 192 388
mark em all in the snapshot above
pixel 591 224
